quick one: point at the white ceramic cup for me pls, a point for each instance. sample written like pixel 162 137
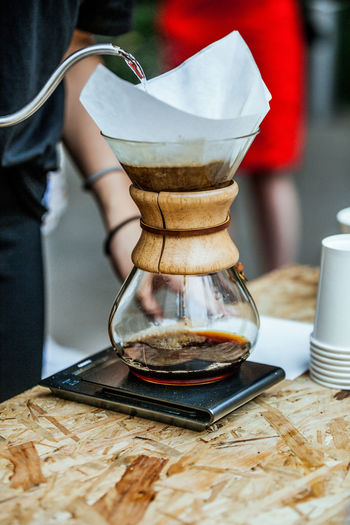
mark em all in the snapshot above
pixel 332 318
pixel 329 348
pixel 343 218
pixel 336 374
pixel 328 359
pixel 334 354
pixel 342 382
pixel 341 368
pixel 317 358
pixel 328 383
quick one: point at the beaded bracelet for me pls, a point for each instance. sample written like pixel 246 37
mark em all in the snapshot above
pixel 107 242
pixel 93 178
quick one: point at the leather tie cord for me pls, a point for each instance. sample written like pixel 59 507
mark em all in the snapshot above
pixel 186 233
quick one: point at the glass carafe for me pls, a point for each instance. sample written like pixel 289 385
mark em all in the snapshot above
pixel 183 330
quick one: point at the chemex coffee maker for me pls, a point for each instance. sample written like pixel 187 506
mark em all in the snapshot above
pixel 184 323
pixel 201 322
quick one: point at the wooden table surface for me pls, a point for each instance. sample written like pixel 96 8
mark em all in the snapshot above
pixel 282 458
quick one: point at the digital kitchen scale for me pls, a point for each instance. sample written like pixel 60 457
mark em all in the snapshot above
pixel 104 380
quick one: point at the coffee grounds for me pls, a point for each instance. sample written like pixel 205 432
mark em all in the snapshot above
pixel 214 175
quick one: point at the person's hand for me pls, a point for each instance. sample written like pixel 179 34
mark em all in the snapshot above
pixel 150 284
pixel 121 247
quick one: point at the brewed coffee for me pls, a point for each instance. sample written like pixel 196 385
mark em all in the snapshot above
pixel 186 357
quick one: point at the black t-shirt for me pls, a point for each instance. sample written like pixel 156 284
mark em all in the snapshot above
pixel 34 35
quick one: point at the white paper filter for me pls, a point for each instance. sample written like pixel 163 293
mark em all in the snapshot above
pixel 216 94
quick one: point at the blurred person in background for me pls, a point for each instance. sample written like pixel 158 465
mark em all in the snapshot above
pixel 274 34
pixel 35 37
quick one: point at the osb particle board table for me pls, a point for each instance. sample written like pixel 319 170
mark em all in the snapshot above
pixel 282 458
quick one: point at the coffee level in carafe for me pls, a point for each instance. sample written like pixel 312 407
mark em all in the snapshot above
pixel 186 357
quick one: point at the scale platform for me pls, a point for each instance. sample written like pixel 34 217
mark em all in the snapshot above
pixel 104 380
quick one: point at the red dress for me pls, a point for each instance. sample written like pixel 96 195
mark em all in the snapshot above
pixel 272 30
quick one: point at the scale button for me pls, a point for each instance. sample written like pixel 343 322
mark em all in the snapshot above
pixel 70 381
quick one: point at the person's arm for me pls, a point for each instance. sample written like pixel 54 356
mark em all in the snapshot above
pixel 91 153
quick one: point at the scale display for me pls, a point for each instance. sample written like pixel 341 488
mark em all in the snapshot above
pixel 104 380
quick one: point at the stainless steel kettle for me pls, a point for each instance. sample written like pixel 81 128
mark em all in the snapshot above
pixel 57 76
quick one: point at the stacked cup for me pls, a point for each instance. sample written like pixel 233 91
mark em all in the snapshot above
pixel 343 218
pixel 330 340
